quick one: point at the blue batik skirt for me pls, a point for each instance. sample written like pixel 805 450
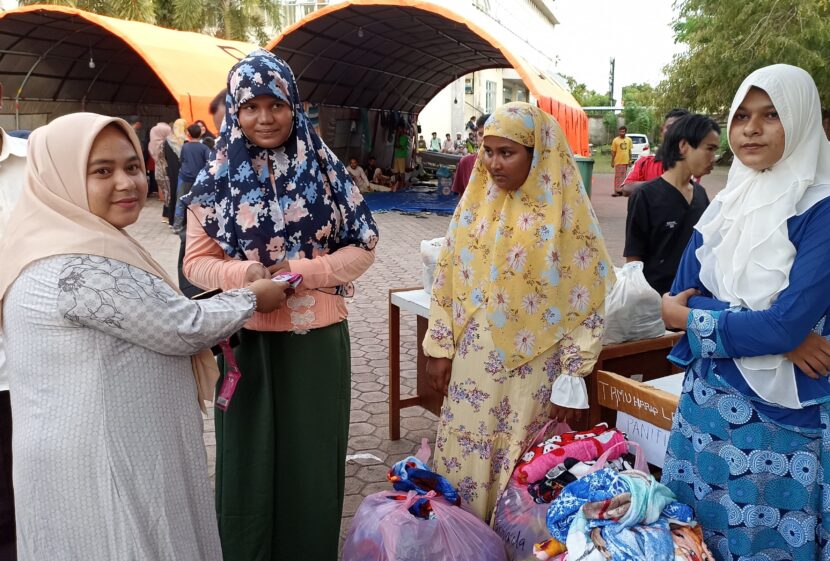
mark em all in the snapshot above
pixel 759 489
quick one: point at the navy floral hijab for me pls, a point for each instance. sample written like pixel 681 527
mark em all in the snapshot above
pixel 315 209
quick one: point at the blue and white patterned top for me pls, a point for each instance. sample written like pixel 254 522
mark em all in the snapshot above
pixel 717 333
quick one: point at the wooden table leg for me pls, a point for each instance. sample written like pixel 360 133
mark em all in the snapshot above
pixel 394 371
pixel 429 398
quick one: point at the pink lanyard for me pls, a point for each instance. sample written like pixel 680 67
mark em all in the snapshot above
pixel 232 376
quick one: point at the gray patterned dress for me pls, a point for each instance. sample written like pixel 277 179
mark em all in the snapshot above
pixel 109 461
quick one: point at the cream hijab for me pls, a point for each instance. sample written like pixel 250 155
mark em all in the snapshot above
pixel 747 255
pixel 52 216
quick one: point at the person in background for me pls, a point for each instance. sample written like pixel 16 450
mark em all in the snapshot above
pixel 620 159
pixel 158 137
pixel 361 180
pixel 194 158
pixel 217 109
pixel 516 315
pixel 466 164
pixel 172 155
pixel 446 148
pixel 471 146
pixel 12 177
pixel 281 444
pixel 401 156
pixel 422 144
pixel 109 457
pixel 649 167
pixel 749 449
pixel 663 212
pixel 459 145
pixel 435 143
pixel 471 124
pixel 206 134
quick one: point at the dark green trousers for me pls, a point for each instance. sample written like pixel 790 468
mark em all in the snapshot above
pixel 281 447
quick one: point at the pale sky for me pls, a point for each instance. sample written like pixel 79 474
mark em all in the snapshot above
pixel 638 34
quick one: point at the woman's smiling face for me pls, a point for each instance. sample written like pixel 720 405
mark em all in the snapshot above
pixel 266 121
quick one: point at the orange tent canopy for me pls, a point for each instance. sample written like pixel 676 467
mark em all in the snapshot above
pixel 45 52
pixel 398 54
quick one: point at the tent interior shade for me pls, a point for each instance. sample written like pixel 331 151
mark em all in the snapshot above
pixel 382 57
pixel 48 54
pixel 398 54
pixel 55 54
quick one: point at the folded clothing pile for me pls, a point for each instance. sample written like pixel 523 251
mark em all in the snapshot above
pixel 623 516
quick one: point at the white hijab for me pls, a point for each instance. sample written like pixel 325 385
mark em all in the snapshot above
pixel 747 255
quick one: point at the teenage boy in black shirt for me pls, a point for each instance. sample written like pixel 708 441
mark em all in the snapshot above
pixel 664 211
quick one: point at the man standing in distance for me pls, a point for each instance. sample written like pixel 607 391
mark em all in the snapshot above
pixel 650 167
pixel 620 159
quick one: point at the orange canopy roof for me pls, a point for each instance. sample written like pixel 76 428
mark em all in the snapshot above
pixel 45 52
pixel 398 54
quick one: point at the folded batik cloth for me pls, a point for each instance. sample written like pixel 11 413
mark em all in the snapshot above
pixel 620 516
pixel 411 474
pixel 583 446
pixel 571 469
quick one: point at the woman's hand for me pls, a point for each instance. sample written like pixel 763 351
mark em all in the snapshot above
pixel 282 267
pixel 566 415
pixel 438 374
pixel 270 295
pixel 255 272
pixel 675 310
pixel 812 356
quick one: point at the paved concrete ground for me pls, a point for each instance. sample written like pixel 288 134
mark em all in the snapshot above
pixel 397 265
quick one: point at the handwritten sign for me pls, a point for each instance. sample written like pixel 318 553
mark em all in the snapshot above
pixel 636 399
pixel 653 440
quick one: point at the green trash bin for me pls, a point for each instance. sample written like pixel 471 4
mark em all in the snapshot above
pixel 586 169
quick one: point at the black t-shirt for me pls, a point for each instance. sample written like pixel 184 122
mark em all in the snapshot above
pixel 658 228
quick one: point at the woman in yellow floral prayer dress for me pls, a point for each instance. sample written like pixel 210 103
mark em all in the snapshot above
pixel 516 317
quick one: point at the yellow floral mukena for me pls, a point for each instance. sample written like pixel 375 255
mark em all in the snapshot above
pixel 534 257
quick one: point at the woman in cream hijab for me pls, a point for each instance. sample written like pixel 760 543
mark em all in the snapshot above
pixel 750 445
pixel 106 360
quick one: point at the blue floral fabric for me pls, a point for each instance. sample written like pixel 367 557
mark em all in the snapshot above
pixel 315 208
pixel 702 332
pixel 759 490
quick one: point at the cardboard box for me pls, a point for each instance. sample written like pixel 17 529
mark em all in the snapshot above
pixel 644 411
pixel 638 399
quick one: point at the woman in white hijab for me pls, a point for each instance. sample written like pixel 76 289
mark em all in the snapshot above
pixel 750 445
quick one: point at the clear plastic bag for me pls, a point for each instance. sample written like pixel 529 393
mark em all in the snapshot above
pixel 430 251
pixel 632 308
pixel 384 530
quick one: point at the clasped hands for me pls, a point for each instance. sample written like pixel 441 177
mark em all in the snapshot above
pixel 812 356
pixel 270 295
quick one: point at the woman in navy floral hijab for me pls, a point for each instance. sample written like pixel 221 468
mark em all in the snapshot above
pixel 276 199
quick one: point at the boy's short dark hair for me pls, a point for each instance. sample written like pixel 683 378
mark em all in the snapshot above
pixel 622 129
pixel 481 120
pixel 692 128
pixel 195 131
pixel 217 101
pixel 676 113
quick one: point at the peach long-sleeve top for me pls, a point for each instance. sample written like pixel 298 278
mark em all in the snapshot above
pixel 207 266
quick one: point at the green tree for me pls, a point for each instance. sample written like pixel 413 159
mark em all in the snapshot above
pixel 728 39
pixel 586 97
pixel 242 20
pixel 639 101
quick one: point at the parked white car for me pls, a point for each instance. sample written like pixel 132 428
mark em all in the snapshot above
pixel 640 146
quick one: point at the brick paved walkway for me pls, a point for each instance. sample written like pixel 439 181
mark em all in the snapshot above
pixel 397 265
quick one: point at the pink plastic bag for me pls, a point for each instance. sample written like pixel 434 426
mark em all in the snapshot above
pixel 384 530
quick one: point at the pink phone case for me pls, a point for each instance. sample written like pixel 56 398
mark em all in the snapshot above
pixel 293 279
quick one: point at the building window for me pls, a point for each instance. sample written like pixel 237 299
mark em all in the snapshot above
pixel 507 94
pixel 490 101
pixel 521 95
pixel 468 86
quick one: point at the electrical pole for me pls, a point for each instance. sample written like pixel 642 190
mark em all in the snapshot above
pixel 611 85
